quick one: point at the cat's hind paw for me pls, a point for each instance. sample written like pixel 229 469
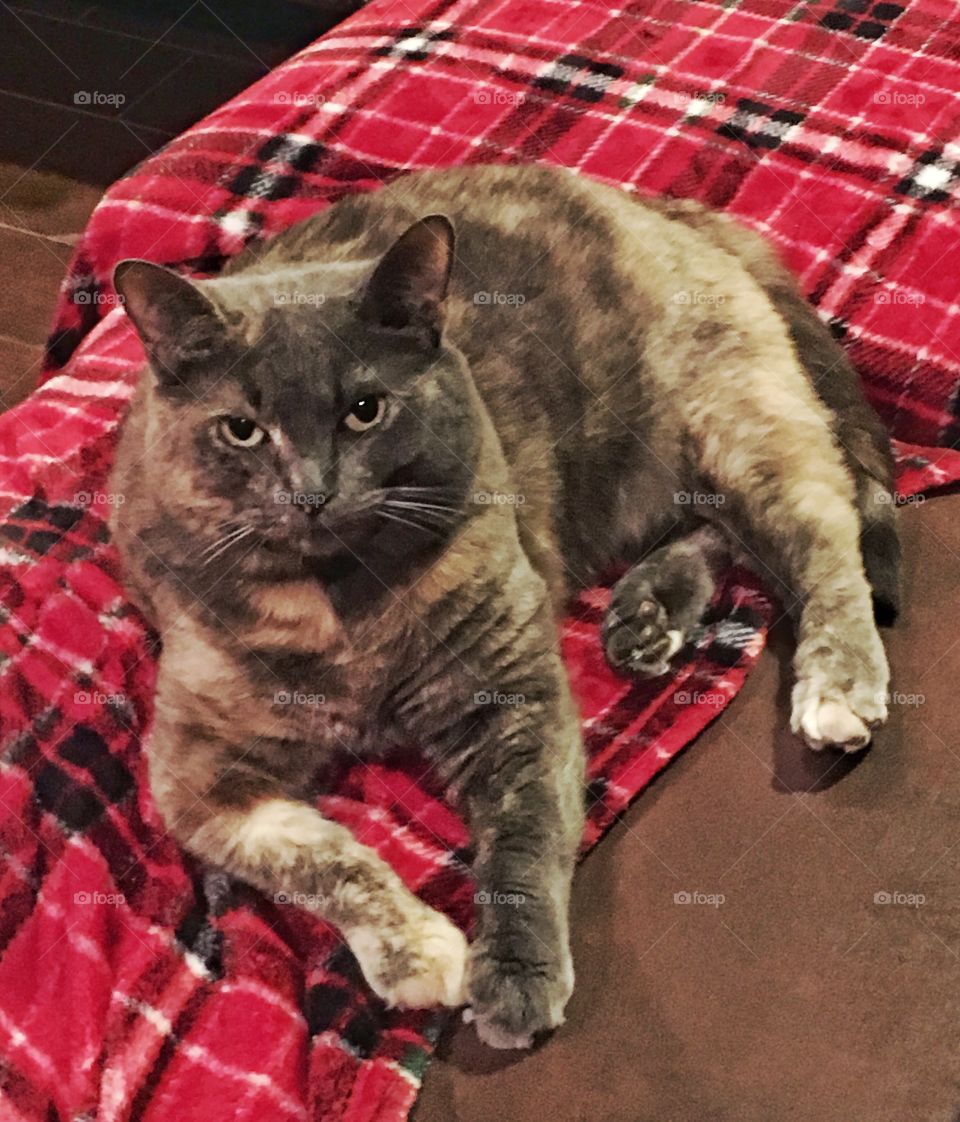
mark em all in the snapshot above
pixel 637 636
pixel 835 719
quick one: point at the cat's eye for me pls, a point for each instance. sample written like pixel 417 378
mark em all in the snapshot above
pixel 241 432
pixel 365 413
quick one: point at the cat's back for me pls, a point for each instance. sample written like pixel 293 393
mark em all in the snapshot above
pixel 571 253
pixel 516 214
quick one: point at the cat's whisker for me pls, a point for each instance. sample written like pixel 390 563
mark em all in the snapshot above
pixel 217 542
pixel 414 503
pixel 424 516
pixel 228 541
pixel 436 492
pixel 427 509
pixel 391 517
pixel 227 527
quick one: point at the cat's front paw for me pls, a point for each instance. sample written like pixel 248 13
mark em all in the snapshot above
pixel 637 634
pixel 513 1001
pixel 418 965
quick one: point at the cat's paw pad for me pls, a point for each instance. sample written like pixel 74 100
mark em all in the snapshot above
pixel 835 720
pixel 511 1004
pixel 421 967
pixel 637 636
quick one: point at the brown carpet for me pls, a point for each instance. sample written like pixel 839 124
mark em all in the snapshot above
pixel 803 996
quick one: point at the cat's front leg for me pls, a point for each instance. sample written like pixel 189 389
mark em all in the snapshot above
pixel 525 806
pixel 411 955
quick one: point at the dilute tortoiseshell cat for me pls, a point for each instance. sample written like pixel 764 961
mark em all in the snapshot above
pixel 371 461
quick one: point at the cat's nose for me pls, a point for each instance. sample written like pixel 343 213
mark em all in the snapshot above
pixel 314 480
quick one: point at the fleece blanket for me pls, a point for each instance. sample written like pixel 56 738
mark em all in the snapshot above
pixel 137 984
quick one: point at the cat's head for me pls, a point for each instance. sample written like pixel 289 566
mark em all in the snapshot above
pixel 323 429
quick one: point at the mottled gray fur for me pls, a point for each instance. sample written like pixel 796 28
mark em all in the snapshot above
pixel 455 400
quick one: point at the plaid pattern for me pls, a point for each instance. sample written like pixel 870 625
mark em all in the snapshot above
pixel 135 984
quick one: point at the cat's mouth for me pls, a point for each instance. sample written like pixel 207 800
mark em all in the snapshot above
pixel 396 522
pixel 330 545
pixel 321 537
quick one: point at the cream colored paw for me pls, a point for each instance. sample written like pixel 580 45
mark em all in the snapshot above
pixel 419 966
pixel 834 720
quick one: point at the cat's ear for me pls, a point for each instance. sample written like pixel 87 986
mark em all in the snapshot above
pixel 178 325
pixel 408 287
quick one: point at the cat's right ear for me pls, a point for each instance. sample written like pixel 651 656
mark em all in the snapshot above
pixel 177 324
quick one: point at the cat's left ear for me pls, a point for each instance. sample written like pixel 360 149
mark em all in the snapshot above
pixel 408 287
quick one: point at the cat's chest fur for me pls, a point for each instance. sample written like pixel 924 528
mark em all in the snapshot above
pixel 285 672
pixel 323 680
pixel 295 616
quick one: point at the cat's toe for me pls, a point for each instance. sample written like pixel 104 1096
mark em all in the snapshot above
pixel 834 720
pixel 512 1003
pixel 638 638
pixel 421 967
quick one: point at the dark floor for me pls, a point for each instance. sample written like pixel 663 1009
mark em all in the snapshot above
pixel 87 90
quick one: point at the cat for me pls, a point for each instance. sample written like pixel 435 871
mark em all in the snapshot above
pixel 366 467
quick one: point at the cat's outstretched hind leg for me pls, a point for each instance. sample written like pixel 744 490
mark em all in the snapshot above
pixel 656 604
pixel 796 506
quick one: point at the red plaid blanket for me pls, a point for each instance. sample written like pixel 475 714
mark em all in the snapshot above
pixel 135 984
